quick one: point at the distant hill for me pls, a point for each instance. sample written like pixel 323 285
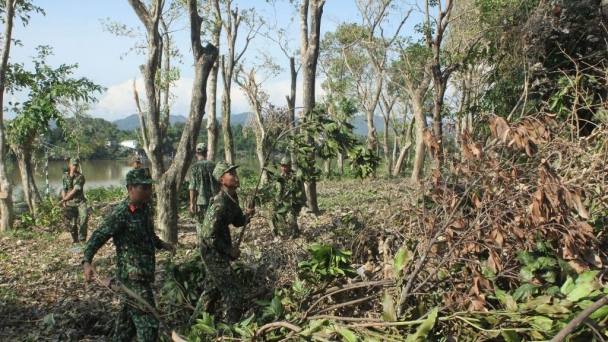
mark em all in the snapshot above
pixel 131 122
pixel 360 122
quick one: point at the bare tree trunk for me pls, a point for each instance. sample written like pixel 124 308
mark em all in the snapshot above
pixel 420 152
pixel 387 151
pixel 310 55
pixel 212 126
pixel 291 101
pixel 405 149
pixel 170 181
pixel 6 200
pixel 340 162
pixel 30 191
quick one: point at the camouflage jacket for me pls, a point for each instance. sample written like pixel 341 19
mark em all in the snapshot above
pixel 290 192
pixel 215 230
pixel 132 231
pixel 74 182
pixel 201 180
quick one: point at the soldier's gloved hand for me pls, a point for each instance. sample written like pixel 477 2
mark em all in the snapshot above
pixel 235 253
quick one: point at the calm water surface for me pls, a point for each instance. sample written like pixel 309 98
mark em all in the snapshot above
pixel 96 172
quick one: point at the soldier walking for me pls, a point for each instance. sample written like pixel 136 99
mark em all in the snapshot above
pixel 202 184
pixel 131 226
pixel 73 202
pixel 217 249
pixel 289 200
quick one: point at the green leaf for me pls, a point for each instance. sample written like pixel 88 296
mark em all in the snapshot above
pixel 500 295
pixel 313 327
pixel 511 303
pixel 526 258
pixel 526 274
pixel 582 290
pixel 568 286
pixel 534 302
pixel 552 309
pixel 541 323
pixel 402 259
pixel 525 291
pixel 600 313
pixel 586 277
pixel 424 329
pixel 388 308
pixel 510 336
pixel 348 335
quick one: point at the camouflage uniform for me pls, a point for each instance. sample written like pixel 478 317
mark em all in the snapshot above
pixel 74 214
pixel 289 200
pixel 202 181
pixel 220 280
pixel 132 231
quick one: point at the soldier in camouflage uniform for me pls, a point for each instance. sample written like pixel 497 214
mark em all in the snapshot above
pixel 131 226
pixel 73 202
pixel 216 247
pixel 135 161
pixel 289 200
pixel 202 184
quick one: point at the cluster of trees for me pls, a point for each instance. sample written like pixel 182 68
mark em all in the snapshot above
pixel 463 61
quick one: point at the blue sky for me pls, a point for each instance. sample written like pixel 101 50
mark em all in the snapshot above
pixel 73 29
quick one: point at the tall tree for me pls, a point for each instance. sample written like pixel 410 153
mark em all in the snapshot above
pixel 212 125
pixel 231 23
pixel 9 9
pixel 377 48
pixel 46 87
pixel 170 180
pixel 311 12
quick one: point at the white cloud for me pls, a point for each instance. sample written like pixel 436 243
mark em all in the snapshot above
pixel 118 101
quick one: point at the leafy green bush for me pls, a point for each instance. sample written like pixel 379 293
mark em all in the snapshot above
pixel 326 263
pixel 105 193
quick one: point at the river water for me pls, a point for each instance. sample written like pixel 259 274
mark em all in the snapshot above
pixel 97 173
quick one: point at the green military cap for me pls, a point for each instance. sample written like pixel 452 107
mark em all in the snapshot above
pixel 201 147
pixel 135 158
pixel 221 168
pixel 74 160
pixel 285 161
pixel 139 176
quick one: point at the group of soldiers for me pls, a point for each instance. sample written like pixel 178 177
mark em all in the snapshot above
pixel 215 205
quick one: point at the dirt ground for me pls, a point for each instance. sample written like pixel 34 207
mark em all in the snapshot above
pixel 43 296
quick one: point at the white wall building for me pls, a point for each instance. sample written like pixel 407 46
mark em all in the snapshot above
pixel 132 144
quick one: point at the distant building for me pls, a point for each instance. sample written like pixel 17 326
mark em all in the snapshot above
pixel 111 143
pixel 132 144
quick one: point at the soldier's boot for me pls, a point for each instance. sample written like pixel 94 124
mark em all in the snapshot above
pixel 74 233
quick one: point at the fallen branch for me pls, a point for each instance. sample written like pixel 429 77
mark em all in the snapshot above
pixel 352 302
pixel 578 320
pixel 337 289
pixel 345 319
pixel 272 326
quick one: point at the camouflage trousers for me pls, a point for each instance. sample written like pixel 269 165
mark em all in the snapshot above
pixel 201 210
pixel 75 218
pixel 285 224
pixel 134 319
pixel 220 283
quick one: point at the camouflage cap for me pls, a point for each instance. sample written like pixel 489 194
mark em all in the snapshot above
pixel 74 160
pixel 285 161
pixel 139 176
pixel 201 147
pixel 135 158
pixel 221 168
